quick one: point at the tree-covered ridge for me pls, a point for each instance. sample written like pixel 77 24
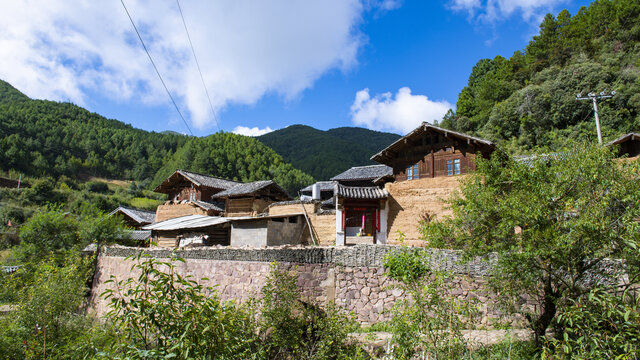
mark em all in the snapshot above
pixel 529 101
pixel 234 157
pixel 40 137
pixel 47 138
pixel 324 154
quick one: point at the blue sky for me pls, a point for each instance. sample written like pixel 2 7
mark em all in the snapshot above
pixel 382 64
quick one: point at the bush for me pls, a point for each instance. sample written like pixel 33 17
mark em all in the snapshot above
pixel 294 329
pixel 162 314
pixel 599 325
pixel 97 187
pixel 49 322
pixel 429 321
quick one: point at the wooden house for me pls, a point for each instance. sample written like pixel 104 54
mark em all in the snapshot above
pixel 251 199
pixel 189 186
pixel 135 218
pixel 375 204
pixel 430 151
pixel 191 193
pixel 627 145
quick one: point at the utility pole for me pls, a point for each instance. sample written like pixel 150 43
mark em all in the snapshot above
pixel 594 97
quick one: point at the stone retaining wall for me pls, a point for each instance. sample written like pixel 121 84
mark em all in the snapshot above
pixel 352 277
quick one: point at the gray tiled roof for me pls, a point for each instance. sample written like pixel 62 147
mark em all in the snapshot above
pixel 209 181
pixel 249 188
pixel 139 216
pixel 356 192
pixel 214 205
pixel 364 173
pixel 324 186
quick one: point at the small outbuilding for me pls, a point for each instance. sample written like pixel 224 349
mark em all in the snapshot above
pixel 135 218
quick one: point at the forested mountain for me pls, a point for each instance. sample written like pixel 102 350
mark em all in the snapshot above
pixel 529 101
pixel 47 138
pixel 324 154
pixel 40 137
pixel 234 157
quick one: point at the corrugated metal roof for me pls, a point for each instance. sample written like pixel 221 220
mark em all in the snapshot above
pixel 355 192
pixel 140 234
pixel 201 221
pixel 188 222
pixel 140 216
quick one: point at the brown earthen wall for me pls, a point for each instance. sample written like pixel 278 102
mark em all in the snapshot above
pixel 171 211
pixel 412 201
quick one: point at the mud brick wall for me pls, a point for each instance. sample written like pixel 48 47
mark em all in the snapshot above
pixel 352 277
pixel 410 201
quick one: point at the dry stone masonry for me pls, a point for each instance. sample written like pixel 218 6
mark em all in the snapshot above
pixel 352 277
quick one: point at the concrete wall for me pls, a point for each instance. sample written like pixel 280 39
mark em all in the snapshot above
pixel 413 200
pixel 323 223
pixel 352 277
pixel 249 233
pixel 286 232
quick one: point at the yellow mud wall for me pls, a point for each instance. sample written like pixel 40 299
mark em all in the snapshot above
pixel 172 211
pixel 413 200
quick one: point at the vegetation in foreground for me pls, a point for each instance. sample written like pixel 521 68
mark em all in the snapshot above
pixel 554 221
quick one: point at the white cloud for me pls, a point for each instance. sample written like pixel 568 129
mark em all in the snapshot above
pixel 400 114
pixel 490 11
pixel 254 131
pixel 246 49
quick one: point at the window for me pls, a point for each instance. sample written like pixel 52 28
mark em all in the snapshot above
pixel 413 172
pixel 192 196
pixel 453 167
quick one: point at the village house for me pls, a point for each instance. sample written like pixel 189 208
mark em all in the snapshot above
pixel 204 210
pixel 628 145
pixel 134 218
pixel 380 204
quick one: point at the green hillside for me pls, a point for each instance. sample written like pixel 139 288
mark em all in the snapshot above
pixel 529 101
pixel 324 154
pixel 46 138
pixel 234 157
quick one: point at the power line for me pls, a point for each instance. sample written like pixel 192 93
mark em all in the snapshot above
pixel 198 65
pixel 155 67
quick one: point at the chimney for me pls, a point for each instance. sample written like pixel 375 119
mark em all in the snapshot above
pixel 315 191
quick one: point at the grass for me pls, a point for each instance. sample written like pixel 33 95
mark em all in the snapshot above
pixel 5 255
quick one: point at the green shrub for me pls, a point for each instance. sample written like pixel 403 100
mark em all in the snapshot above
pixel 294 329
pixel 429 320
pixel 162 314
pixel 97 187
pixel 599 325
pixel 49 321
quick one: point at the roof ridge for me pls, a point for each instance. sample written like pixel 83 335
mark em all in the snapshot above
pixel 210 176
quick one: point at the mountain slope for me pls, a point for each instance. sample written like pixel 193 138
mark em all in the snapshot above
pixel 47 138
pixel 529 101
pixel 324 154
pixel 234 157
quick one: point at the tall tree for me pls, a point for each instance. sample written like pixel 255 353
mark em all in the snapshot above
pixel 553 221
